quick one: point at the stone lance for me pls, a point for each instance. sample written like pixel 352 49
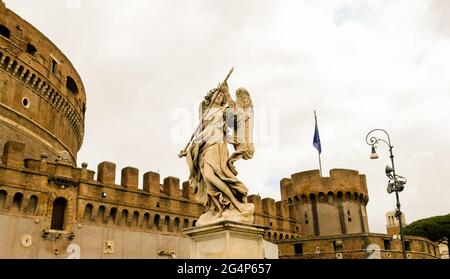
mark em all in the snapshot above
pixel 183 152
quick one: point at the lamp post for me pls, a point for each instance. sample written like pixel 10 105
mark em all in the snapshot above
pixel 396 182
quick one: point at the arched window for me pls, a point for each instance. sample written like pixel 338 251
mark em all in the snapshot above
pixel 20 71
pixel 17 202
pixel 330 197
pixel 167 224
pixel 146 220
pixel 71 85
pixel 176 224
pixel 156 222
pixel 339 196
pixel 348 196
pixel 3 195
pixel 321 197
pixel 112 216
pixel 88 212
pixel 185 223
pixel 6 62
pixel 32 205
pixel 269 235
pixel 58 214
pixel 124 217
pixel 101 214
pixel 135 219
pixel 194 223
pixel 4 31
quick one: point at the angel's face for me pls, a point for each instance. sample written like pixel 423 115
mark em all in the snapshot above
pixel 219 99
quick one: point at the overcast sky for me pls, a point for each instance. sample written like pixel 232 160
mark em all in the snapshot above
pixel 361 64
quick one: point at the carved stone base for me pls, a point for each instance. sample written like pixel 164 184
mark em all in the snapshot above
pixel 227 240
pixel 233 215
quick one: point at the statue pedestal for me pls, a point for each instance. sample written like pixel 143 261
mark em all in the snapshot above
pixel 227 240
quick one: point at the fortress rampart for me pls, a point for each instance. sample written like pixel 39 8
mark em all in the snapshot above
pixel 31 188
pixel 42 97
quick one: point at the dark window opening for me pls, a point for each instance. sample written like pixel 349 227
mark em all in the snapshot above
pixel 298 248
pixel 31 49
pixel 58 214
pixel 167 224
pixel 5 32
pixel 387 244
pixel 185 223
pixel 176 224
pixel 17 202
pixel 194 223
pixel 146 221
pixel 407 246
pixel 135 219
pixel 3 195
pixel 156 222
pixel 338 245
pixel 32 204
pixel 88 212
pixel 124 217
pixel 101 214
pixel 54 67
pixel 270 224
pixel 112 215
pixel 349 219
pixel 71 85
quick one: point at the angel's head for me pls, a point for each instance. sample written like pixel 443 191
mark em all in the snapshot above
pixel 219 99
pixel 243 98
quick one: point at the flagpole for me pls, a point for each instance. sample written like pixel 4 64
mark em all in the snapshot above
pixel 320 161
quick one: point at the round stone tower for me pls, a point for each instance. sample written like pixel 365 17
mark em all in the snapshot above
pixel 42 97
pixel 332 205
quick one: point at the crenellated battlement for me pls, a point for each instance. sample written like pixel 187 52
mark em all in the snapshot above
pixel 341 182
pixel 95 200
pixel 280 217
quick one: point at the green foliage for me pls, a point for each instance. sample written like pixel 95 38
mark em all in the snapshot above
pixel 434 228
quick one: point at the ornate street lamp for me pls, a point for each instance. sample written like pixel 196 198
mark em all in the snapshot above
pixel 396 182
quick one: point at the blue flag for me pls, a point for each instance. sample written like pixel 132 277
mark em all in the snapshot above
pixel 316 141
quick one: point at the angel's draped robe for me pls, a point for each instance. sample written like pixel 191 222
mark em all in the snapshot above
pixel 209 150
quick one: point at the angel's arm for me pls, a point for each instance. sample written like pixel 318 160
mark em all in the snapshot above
pixel 227 96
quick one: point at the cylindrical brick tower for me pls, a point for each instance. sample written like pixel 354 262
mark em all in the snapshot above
pixel 332 205
pixel 42 97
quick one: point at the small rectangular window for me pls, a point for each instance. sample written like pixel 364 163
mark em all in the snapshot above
pixel 338 245
pixel 31 49
pixel 298 248
pixel 54 68
pixel 407 246
pixel 387 244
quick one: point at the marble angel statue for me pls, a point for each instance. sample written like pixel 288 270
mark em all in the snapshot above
pixel 212 172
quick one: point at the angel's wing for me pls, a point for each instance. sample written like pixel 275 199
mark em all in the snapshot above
pixel 240 120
